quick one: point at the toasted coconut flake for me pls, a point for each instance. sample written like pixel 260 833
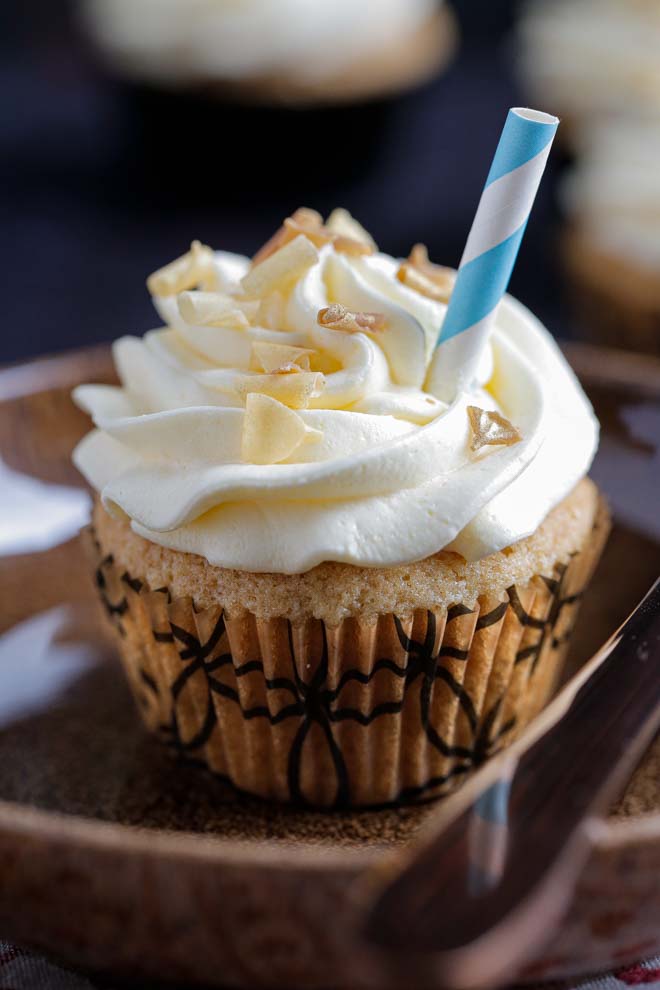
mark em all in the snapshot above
pixel 303 221
pixel 342 230
pixel 271 358
pixel 281 237
pixel 490 428
pixel 309 223
pixel 420 274
pixel 280 269
pixel 293 390
pixel 211 309
pixel 271 431
pixel 307 217
pixel 193 268
pixel 344 227
pixel 337 317
pixel 248 306
pixel 272 311
pixel 355 249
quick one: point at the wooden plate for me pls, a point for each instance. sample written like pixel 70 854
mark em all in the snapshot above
pixel 113 857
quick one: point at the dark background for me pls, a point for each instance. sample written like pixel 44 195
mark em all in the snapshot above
pixel 100 182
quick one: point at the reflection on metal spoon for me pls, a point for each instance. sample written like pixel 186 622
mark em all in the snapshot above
pixel 36 516
pixel 36 669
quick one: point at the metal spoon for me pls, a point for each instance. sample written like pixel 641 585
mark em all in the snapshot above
pixel 495 869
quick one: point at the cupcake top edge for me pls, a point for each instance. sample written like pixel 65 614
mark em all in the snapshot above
pixel 280 417
pixel 190 41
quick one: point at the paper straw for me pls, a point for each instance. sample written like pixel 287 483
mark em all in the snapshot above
pixel 491 249
pixel 488 832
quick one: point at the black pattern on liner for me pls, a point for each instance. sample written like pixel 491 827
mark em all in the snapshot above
pixel 315 703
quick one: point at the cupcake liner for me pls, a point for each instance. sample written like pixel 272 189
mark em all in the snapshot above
pixel 359 714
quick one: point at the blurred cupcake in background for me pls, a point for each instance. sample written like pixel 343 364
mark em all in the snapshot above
pixel 263 79
pixel 591 57
pixel 597 64
pixel 612 241
pixel 292 52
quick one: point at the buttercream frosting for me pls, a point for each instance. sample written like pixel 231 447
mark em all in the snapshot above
pixel 380 472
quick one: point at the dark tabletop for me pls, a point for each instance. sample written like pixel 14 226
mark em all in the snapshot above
pixel 101 182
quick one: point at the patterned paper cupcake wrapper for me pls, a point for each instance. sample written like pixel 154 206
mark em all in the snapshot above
pixel 359 714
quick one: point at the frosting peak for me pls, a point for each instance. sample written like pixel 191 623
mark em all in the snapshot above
pixel 279 418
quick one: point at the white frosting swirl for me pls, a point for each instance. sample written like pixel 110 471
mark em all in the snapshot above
pixel 613 190
pixel 392 478
pixel 166 40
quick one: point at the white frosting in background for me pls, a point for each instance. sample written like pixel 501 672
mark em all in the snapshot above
pixel 598 61
pixel 189 40
pixel 586 57
pixel 613 190
pixel 392 478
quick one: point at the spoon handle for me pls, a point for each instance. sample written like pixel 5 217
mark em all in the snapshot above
pixel 495 868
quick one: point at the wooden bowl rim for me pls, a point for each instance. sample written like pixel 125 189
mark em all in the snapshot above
pixel 595 365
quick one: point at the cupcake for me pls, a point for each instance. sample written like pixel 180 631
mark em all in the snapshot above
pixel 274 51
pixel 328 586
pixel 591 58
pixel 597 62
pixel 611 246
pixel 260 75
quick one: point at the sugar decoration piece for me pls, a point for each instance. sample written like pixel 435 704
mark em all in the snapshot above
pixel 489 428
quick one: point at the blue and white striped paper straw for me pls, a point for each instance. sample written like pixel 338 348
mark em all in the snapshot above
pixel 491 249
pixel 488 831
